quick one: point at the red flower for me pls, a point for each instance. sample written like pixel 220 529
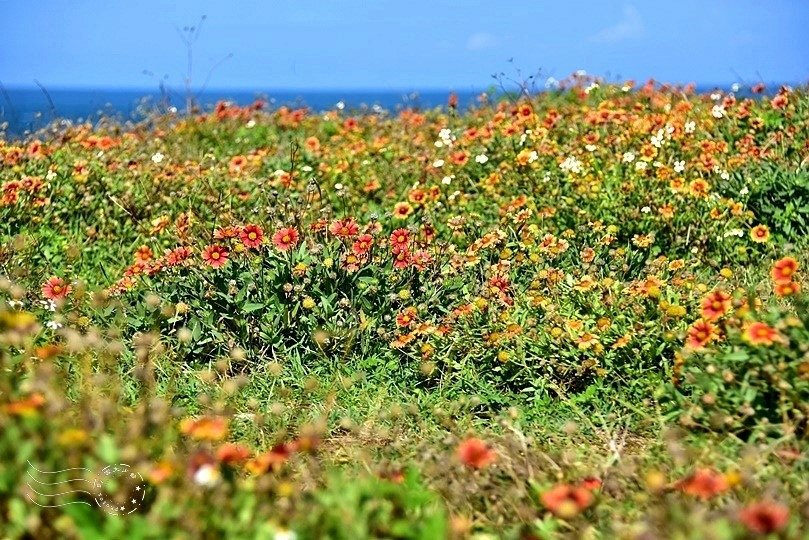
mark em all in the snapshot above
pixel 566 501
pixel 700 334
pixel 232 453
pixel 55 288
pixel 251 236
pixel 784 269
pixel 285 239
pixel 344 228
pixel 475 453
pixel 787 288
pixel 590 482
pixel 715 305
pixel 703 484
pixel 363 244
pixel 215 256
pixel 401 258
pixel 177 256
pixel 399 239
pixel 764 517
pixel 759 333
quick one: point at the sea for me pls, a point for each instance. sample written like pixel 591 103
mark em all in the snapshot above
pixel 25 110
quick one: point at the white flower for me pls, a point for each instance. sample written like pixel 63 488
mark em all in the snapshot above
pixel 629 157
pixel 306 168
pixel 285 535
pixel 718 111
pixel 679 166
pixel 550 82
pixel 53 325
pixel 735 87
pixel 640 166
pixel 590 88
pixel 340 105
pixel 734 232
pixel 645 209
pixel 438 163
pixel 158 157
pixel 49 304
pixel 590 147
pixel 522 138
pixel 439 144
pixel 716 96
pixel 447 180
pixel 14 304
pixel 533 156
pixel 570 164
pixel 207 475
pixel 338 186
pixel 251 123
pixel 690 126
pixel 51 175
pixel 744 191
pixel 626 88
pixel 725 175
pixel 481 158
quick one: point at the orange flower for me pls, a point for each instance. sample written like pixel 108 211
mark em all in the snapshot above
pixel 715 305
pixel 270 461
pixel 400 238
pixel 344 228
pixel 760 234
pixel 759 333
pixel 285 239
pixel 232 453
pixel 363 244
pixel 55 288
pixel 215 256
pixel 26 406
pixel 237 163
pixel 703 484
pixel 700 334
pixel 475 453
pixel 251 236
pixel 206 428
pixel 402 209
pixel 764 517
pixel 567 501
pixel 787 288
pixel 784 269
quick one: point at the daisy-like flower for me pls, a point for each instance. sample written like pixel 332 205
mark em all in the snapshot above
pixel 285 239
pixel 362 244
pixel 760 234
pixel 344 228
pixel 475 453
pixel 784 269
pixel 703 484
pixel 402 209
pixel 700 334
pixel 215 256
pixel 251 236
pixel 759 333
pixel 567 501
pixel 399 239
pixel 787 288
pixel 715 305
pixel 55 288
pixel 764 517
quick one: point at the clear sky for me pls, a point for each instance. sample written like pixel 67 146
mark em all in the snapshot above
pixel 414 44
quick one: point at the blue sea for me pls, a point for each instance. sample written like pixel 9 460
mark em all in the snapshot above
pixel 28 109
pixel 24 110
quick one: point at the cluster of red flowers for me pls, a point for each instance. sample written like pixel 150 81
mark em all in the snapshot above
pixel 11 191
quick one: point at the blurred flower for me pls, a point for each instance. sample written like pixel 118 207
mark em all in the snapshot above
pixel 475 453
pixel 764 517
pixel 567 501
pixel 703 483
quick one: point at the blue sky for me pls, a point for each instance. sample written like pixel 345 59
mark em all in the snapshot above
pixel 415 44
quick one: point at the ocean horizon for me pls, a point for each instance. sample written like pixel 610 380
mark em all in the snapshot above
pixel 26 110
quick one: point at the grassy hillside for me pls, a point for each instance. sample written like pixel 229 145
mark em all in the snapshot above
pixel 573 315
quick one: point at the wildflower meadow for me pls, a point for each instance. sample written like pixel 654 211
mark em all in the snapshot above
pixel 581 313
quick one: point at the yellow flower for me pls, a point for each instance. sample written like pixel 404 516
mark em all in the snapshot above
pixel 72 437
pixel 328 263
pixel 308 302
pixel 503 356
pixel 404 294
